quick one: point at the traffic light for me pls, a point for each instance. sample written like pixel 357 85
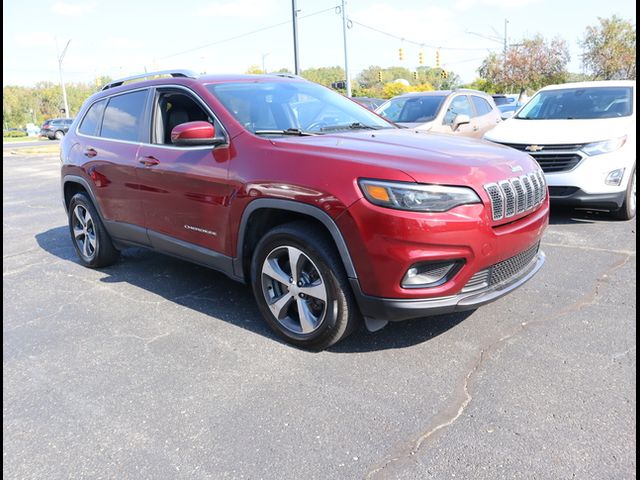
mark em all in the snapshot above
pixel 341 85
pixel 380 76
pixel 401 53
pixel 415 75
pixel 444 74
pixel 421 58
pixel 437 58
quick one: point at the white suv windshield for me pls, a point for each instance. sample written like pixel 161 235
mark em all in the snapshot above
pixel 271 107
pixel 579 103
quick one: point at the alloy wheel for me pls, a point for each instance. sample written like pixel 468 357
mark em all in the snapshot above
pixel 84 232
pixel 294 290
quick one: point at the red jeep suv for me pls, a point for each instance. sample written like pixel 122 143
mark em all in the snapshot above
pixel 330 212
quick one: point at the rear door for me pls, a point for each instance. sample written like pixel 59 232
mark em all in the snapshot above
pixel 487 116
pixel 110 136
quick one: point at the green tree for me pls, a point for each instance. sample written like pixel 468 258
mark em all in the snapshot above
pixel 324 75
pixel 609 49
pixel 529 65
pixel 393 89
pixel 254 70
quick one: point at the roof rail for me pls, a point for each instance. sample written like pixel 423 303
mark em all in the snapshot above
pixel 171 73
pixel 286 75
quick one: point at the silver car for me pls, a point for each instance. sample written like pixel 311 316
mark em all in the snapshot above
pixel 469 113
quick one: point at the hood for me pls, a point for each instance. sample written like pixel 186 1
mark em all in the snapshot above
pixel 425 157
pixel 549 132
pixel 417 126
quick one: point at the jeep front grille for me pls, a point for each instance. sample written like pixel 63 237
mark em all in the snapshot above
pixel 516 195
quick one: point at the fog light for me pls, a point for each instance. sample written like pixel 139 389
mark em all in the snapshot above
pixel 430 274
pixel 615 177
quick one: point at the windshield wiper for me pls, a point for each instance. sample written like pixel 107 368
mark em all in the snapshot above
pixel 351 126
pixel 288 131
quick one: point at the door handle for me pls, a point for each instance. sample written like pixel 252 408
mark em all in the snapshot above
pixel 90 152
pixel 475 128
pixel 149 161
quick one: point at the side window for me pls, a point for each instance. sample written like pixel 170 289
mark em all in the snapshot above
pixel 173 108
pixel 91 120
pixel 123 116
pixel 482 106
pixel 459 106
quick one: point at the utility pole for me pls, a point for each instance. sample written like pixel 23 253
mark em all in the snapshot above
pixel 295 37
pixel 346 57
pixel 264 69
pixel 506 40
pixel 64 90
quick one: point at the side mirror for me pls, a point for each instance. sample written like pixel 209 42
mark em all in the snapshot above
pixel 461 119
pixel 194 134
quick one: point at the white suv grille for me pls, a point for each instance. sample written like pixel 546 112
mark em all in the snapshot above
pixel 516 195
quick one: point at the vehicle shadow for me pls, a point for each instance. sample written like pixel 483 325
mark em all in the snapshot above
pixel 570 216
pixel 213 294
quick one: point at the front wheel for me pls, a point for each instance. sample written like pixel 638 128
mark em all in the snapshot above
pixel 59 135
pixel 301 288
pixel 628 209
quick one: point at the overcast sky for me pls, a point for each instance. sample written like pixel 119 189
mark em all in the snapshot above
pixel 120 38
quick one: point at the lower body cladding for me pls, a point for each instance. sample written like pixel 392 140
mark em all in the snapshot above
pixel 377 311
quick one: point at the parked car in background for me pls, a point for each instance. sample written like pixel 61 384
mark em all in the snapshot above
pixel 469 113
pixel 328 211
pixel 507 110
pixel 583 135
pixel 369 102
pixel 56 128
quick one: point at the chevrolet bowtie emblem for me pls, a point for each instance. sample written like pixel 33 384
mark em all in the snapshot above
pixel 533 148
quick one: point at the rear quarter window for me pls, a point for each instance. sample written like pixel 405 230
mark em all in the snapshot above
pixel 91 121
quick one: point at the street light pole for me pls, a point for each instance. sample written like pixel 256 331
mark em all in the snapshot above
pixel 296 64
pixel 264 69
pixel 64 90
pixel 346 57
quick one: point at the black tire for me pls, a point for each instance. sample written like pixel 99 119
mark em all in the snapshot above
pixel 628 209
pixel 59 135
pixel 89 237
pixel 320 268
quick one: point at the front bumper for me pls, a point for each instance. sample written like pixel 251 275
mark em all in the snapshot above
pixel 397 309
pixel 566 196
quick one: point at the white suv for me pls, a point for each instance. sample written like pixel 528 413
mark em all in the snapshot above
pixel 583 135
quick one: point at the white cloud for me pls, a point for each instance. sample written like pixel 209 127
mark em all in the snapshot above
pixel 121 42
pixel 468 4
pixel 34 39
pixel 71 9
pixel 237 8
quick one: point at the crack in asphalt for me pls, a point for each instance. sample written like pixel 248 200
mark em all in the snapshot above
pixel 454 411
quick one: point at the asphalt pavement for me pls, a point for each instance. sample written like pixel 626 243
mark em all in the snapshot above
pixel 156 368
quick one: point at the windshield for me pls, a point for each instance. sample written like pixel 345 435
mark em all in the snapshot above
pixel 272 107
pixel 412 109
pixel 579 103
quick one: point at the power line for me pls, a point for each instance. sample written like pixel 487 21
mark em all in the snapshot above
pixel 419 44
pixel 242 35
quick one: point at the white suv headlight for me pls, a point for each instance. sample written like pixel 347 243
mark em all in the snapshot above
pixel 416 197
pixel 605 146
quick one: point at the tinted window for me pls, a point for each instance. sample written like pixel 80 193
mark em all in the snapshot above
pixel 412 109
pixel 91 120
pixel 482 106
pixel 459 106
pixel 123 116
pixel 579 103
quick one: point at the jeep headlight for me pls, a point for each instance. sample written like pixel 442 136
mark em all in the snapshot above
pixel 415 196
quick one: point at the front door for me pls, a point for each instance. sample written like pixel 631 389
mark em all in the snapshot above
pixel 184 190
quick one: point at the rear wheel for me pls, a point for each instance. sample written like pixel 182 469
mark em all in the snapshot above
pixel 301 288
pixel 628 209
pixel 90 239
pixel 59 135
